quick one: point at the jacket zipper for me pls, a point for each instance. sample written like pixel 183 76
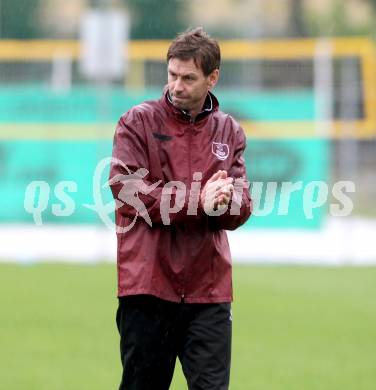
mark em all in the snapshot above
pixel 182 296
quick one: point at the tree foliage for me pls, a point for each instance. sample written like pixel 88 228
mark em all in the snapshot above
pixel 156 19
pixel 19 19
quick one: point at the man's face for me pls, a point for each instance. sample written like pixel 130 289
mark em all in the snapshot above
pixel 187 84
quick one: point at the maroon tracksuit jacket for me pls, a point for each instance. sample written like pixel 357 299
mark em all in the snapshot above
pixel 188 259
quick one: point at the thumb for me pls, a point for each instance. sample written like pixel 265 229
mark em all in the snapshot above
pixel 223 174
pixel 218 175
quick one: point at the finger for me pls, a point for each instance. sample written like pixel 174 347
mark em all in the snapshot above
pixel 222 202
pixel 215 177
pixel 223 185
pixel 220 199
pixel 228 188
pixel 226 191
pixel 214 190
pixel 223 174
pixel 218 175
pixel 225 197
pixel 228 180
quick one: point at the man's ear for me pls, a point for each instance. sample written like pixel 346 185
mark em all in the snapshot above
pixel 213 78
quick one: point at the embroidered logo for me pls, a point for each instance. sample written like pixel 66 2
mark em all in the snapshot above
pixel 221 151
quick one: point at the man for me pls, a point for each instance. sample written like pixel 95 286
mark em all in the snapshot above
pixel 174 263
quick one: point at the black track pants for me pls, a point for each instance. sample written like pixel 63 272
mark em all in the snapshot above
pixel 153 332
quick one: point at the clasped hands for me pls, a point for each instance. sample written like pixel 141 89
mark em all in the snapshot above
pixel 217 192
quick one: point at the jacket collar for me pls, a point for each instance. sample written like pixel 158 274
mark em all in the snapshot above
pixel 210 105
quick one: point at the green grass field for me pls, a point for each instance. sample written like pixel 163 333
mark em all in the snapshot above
pixel 295 328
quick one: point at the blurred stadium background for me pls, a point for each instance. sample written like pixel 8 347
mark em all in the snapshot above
pixel 300 76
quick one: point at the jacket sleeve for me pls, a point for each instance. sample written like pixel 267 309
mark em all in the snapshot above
pixel 240 207
pixel 133 153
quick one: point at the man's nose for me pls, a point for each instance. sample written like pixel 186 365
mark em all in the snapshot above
pixel 178 85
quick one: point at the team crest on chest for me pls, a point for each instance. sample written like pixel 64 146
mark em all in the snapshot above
pixel 221 151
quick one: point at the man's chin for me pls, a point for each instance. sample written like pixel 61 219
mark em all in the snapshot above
pixel 179 104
